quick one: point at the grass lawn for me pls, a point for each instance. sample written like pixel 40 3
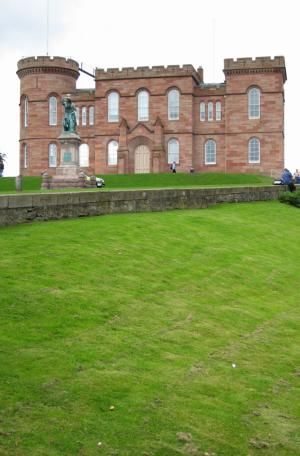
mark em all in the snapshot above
pixel 30 184
pixel 135 181
pixel 119 334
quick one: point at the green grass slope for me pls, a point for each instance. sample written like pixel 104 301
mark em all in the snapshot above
pixel 119 334
pixel 182 180
pixel 132 181
pixel 30 183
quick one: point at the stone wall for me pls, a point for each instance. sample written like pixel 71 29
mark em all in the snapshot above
pixel 23 208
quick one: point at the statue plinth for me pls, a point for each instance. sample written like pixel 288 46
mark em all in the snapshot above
pixel 67 173
pixel 69 154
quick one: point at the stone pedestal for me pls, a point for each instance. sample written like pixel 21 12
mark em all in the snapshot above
pixel 67 173
pixel 19 183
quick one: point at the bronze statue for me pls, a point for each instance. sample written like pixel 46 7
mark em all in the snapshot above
pixel 69 122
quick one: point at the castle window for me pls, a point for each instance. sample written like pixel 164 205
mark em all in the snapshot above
pixel 254 103
pixel 25 112
pixel 210 111
pixel 77 115
pixel 84 155
pixel 202 111
pixel 210 152
pixel 83 116
pixel 113 107
pixel 52 111
pixel 25 150
pixel 52 155
pixel 173 151
pixel 91 115
pixel 143 105
pixel 173 104
pixel 218 110
pixel 112 156
pixel 254 150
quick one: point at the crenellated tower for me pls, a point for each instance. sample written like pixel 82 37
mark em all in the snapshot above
pixel 43 82
pixel 259 82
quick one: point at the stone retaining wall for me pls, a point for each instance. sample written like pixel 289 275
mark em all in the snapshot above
pixel 52 206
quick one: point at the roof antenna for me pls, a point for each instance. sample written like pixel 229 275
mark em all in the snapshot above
pixel 47 28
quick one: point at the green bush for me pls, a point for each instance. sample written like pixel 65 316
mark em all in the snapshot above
pixel 290 198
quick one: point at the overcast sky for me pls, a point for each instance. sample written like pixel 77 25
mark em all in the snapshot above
pixel 119 33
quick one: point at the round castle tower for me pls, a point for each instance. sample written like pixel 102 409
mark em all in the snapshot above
pixel 43 83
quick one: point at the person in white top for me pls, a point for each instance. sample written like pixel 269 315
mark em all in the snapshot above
pixel 173 167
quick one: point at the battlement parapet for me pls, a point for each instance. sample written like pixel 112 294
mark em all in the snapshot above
pixel 149 72
pixel 258 64
pixel 47 64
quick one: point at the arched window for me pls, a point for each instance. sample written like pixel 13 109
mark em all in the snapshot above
pixel 202 111
pixel 143 105
pixel 254 103
pixel 218 111
pixel 83 115
pixel 173 104
pixel 84 155
pixel 25 112
pixel 173 151
pixel 25 150
pixel 254 150
pixel 77 115
pixel 210 111
pixel 113 107
pixel 91 115
pixel 210 152
pixel 52 155
pixel 52 111
pixel 112 153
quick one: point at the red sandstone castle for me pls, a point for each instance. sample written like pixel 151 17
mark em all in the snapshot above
pixel 141 120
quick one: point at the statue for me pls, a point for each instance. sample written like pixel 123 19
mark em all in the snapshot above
pixel 69 122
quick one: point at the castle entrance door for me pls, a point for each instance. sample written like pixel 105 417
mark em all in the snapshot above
pixel 142 160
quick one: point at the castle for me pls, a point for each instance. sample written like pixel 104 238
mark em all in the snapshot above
pixel 141 120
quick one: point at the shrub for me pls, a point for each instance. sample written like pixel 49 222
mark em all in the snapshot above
pixel 290 198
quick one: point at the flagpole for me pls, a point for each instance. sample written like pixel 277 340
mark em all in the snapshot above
pixel 47 29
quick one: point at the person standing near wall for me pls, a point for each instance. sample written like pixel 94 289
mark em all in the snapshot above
pixel 173 167
pixel 297 177
pixel 1 165
pixel 287 179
